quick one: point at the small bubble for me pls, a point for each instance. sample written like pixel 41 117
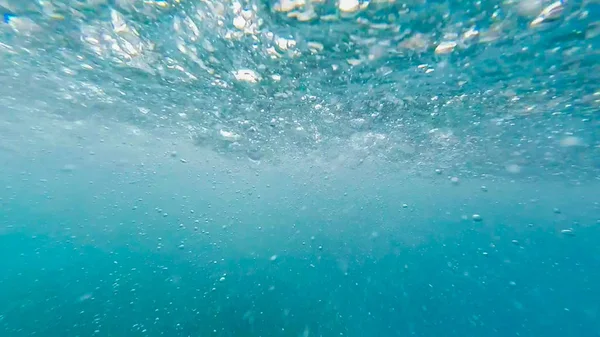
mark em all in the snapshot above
pixel 513 168
pixel 445 47
pixel 484 188
pixel 568 232
pixel 454 180
pixel 476 218
pixel 515 242
pixel 556 211
pixel 273 258
pixel 247 75
pixel 571 141
pixel 404 205
pixel 222 279
pixel 254 155
pixel 69 168
pixel 438 171
pixel 181 246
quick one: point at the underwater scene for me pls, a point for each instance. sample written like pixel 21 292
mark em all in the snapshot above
pixel 301 168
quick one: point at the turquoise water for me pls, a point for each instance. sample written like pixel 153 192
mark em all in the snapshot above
pixel 299 168
pixel 171 249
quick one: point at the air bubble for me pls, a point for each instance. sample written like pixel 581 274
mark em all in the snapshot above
pixel 568 232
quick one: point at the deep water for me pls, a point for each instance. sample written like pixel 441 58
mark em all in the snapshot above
pixel 441 287
pixel 107 247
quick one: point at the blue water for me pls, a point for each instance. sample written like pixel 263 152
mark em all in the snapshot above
pixel 281 253
pixel 299 168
